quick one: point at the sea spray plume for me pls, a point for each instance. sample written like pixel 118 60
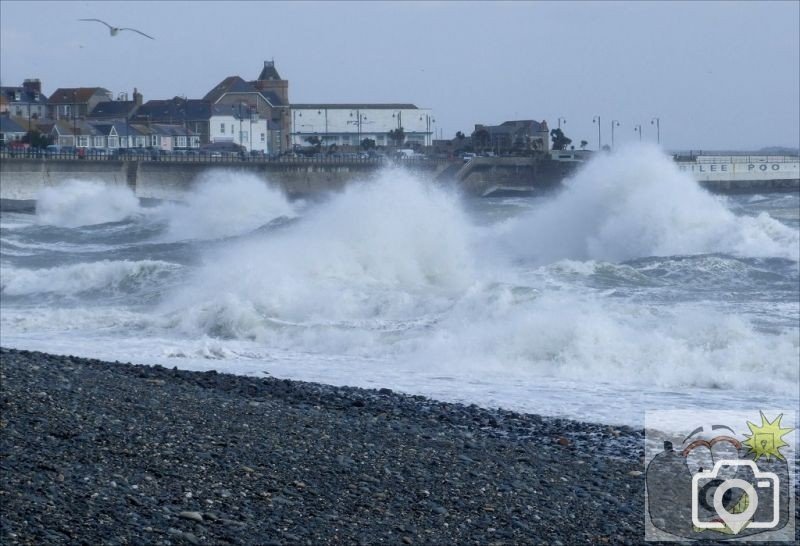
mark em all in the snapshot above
pixel 392 250
pixel 636 203
pixel 223 204
pixel 82 203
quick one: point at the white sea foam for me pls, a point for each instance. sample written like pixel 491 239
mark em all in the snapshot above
pixel 223 204
pixel 80 278
pixel 636 203
pixel 392 271
pixel 382 251
pixel 579 336
pixel 80 203
pixel 392 284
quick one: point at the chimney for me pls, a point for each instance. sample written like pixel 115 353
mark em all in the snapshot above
pixel 32 85
pixel 137 97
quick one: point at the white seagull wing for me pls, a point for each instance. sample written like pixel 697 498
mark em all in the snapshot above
pixel 140 32
pixel 98 20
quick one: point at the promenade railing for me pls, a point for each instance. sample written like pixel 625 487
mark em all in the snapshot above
pixel 215 158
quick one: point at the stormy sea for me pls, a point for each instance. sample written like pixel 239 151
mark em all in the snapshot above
pixel 630 289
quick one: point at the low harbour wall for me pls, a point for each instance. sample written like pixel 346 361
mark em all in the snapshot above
pixel 21 179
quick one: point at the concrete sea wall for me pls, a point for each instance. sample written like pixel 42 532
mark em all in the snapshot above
pixel 21 179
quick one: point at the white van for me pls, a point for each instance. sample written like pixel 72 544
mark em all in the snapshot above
pixel 407 153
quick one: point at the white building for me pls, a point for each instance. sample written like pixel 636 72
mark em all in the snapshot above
pixel 246 129
pixel 350 124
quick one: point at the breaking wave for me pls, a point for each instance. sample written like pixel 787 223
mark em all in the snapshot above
pixel 224 204
pixel 84 278
pixel 636 203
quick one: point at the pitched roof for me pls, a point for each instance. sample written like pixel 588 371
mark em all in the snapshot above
pixel 8 95
pixel 174 110
pixel 225 86
pixel 8 125
pixel 112 109
pixel 72 95
pixel 354 106
pixel 269 72
pixel 516 126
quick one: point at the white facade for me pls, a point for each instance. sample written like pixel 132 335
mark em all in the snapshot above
pixel 348 125
pixel 754 167
pixel 248 132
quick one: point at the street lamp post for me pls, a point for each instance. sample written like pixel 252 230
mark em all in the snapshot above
pixel 250 135
pixel 294 127
pixel 614 123
pixel 657 123
pixel 186 121
pixel 561 120
pixel 74 121
pixel 240 124
pixel 596 120
pixel 638 129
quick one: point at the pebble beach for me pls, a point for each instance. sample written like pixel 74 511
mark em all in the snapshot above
pixel 94 452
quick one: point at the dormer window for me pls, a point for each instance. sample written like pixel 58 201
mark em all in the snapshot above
pixel 36 97
pixel 17 95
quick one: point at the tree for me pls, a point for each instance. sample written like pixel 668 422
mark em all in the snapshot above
pixel 398 136
pixel 460 135
pixel 316 142
pixel 584 144
pixel 560 140
pixel 367 144
pixel 36 139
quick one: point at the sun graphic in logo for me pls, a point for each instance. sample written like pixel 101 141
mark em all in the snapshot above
pixel 766 440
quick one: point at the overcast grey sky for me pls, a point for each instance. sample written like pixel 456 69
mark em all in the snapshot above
pixel 719 75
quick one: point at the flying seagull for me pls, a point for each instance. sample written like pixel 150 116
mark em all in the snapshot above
pixel 115 30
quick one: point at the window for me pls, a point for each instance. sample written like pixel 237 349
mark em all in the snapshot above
pixel 98 142
pixel 263 137
pixel 181 142
pixel 222 128
pixel 113 142
pixel 155 140
pixel 231 128
pixel 83 142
